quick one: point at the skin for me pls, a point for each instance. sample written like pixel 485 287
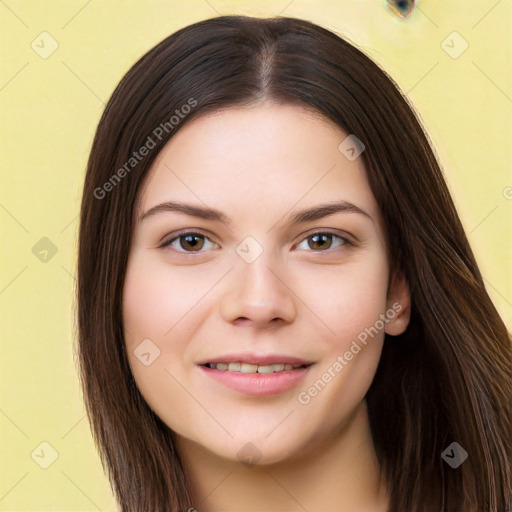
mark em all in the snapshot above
pixel 259 165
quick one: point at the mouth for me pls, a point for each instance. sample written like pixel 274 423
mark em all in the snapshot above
pixel 248 368
pixel 257 375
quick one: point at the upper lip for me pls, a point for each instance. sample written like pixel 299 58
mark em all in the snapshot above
pixel 259 359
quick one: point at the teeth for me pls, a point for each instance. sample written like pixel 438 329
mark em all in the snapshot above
pixel 247 368
pixel 254 368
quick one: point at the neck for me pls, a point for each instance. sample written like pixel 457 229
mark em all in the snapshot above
pixel 339 474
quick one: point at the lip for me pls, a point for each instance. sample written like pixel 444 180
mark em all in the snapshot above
pixel 257 384
pixel 260 359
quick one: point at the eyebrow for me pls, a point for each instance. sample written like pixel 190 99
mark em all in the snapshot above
pixel 307 215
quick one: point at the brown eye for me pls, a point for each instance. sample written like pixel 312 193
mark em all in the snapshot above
pixel 320 241
pixel 188 242
pixel 191 242
pixel 323 240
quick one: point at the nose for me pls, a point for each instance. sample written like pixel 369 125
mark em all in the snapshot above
pixel 258 295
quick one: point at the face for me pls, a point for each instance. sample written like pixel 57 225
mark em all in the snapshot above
pixel 251 323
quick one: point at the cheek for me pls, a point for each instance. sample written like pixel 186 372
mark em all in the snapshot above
pixel 151 308
pixel 165 305
pixel 346 299
pixel 353 304
pixel 151 305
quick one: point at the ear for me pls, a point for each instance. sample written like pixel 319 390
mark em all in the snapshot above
pixel 398 301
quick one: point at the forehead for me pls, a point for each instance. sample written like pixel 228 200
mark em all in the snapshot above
pixel 265 158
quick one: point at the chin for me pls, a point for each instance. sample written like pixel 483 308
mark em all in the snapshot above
pixel 257 450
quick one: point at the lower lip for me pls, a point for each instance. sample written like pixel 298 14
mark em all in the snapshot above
pixel 258 384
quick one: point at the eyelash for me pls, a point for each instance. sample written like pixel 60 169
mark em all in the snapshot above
pixel 188 254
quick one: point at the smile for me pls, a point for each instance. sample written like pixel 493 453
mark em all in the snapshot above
pixel 255 379
pixel 246 368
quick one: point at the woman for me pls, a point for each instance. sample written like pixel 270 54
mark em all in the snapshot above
pixel 278 308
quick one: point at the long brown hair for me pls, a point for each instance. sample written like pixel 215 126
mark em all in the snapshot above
pixel 446 379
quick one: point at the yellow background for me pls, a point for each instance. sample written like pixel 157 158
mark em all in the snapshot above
pixel 50 109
